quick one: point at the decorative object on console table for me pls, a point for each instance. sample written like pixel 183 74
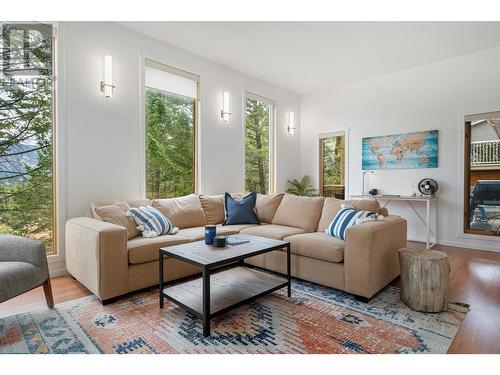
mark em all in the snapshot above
pixel 424 279
pixel 364 174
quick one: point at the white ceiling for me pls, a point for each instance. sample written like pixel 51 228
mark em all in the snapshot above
pixel 306 56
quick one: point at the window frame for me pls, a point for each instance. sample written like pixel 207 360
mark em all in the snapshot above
pixel 55 255
pixel 467 139
pixel 321 137
pixel 156 63
pixel 272 137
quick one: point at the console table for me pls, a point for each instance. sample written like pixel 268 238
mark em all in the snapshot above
pixel 431 234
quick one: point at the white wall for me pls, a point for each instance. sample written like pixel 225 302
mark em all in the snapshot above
pixel 435 96
pixel 100 140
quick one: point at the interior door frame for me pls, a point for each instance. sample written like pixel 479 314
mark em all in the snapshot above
pixel 321 137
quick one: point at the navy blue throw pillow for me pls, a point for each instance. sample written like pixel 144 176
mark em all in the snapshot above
pixel 241 212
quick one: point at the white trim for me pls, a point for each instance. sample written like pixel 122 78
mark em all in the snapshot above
pixel 158 62
pixel 335 133
pixel 462 118
pixel 56 260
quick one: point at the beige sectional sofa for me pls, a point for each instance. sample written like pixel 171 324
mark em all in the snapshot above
pixel 110 260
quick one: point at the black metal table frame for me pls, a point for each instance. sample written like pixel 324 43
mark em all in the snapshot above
pixel 237 261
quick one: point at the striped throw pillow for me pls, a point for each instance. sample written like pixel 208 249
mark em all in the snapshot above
pixel 151 222
pixel 346 218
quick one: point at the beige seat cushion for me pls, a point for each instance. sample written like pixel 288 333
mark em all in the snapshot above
pixel 213 206
pixel 299 212
pixel 272 231
pixel 142 250
pixel 117 214
pixel 139 202
pixel 332 206
pixel 198 233
pixel 317 245
pixel 183 212
pixel 266 206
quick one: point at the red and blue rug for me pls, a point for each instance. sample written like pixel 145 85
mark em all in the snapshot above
pixel 315 320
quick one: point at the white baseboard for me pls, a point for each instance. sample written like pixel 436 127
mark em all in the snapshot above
pixel 58 272
pixel 463 245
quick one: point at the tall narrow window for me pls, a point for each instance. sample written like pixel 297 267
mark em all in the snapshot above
pixel 332 165
pixel 258 144
pixel 26 132
pixel 482 174
pixel 171 101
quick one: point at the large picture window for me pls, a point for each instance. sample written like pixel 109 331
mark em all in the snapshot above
pixel 259 118
pixel 26 132
pixel 171 102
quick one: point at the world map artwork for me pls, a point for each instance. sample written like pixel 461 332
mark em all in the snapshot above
pixel 401 151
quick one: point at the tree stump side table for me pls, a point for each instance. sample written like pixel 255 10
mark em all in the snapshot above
pixel 424 279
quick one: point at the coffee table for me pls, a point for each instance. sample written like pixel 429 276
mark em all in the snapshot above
pixel 215 293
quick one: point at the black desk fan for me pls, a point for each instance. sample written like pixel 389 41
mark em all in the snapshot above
pixel 428 186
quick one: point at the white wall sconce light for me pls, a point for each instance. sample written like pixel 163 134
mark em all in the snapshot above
pixel 290 129
pixel 107 85
pixel 224 113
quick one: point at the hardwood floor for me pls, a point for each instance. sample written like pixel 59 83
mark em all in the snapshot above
pixel 474 279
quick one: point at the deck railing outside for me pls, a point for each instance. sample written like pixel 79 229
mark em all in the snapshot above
pixel 484 153
pixel 334 191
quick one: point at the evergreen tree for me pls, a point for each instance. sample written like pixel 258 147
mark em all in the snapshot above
pixel 26 197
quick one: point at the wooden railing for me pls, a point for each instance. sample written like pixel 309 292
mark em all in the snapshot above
pixel 485 153
pixel 334 191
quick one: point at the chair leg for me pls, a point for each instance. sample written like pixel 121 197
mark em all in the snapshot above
pixel 47 289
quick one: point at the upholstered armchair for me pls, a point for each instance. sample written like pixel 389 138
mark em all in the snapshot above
pixel 23 266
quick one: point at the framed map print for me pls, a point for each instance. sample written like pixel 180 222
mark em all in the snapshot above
pixel 401 151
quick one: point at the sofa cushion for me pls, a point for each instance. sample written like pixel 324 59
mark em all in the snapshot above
pixel 332 206
pixel 266 206
pixel 117 214
pixel 198 233
pixel 272 231
pixel 299 212
pixel 183 212
pixel 142 250
pixel 139 202
pixel 213 207
pixel 242 211
pixel 317 245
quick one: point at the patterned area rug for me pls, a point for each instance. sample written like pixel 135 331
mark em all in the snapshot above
pixel 315 320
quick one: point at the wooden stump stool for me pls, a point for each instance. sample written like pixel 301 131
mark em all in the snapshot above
pixel 424 279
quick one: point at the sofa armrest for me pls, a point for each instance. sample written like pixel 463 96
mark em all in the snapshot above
pixel 96 255
pixel 371 258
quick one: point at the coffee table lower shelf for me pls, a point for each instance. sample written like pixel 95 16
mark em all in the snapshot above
pixel 228 289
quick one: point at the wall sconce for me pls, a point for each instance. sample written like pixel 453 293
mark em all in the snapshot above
pixel 107 85
pixel 290 129
pixel 224 113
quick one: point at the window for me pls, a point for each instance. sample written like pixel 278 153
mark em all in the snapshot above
pixel 171 102
pixel 27 205
pixel 482 174
pixel 332 165
pixel 259 118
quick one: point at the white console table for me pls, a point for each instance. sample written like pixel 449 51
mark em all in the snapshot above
pixel 431 234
